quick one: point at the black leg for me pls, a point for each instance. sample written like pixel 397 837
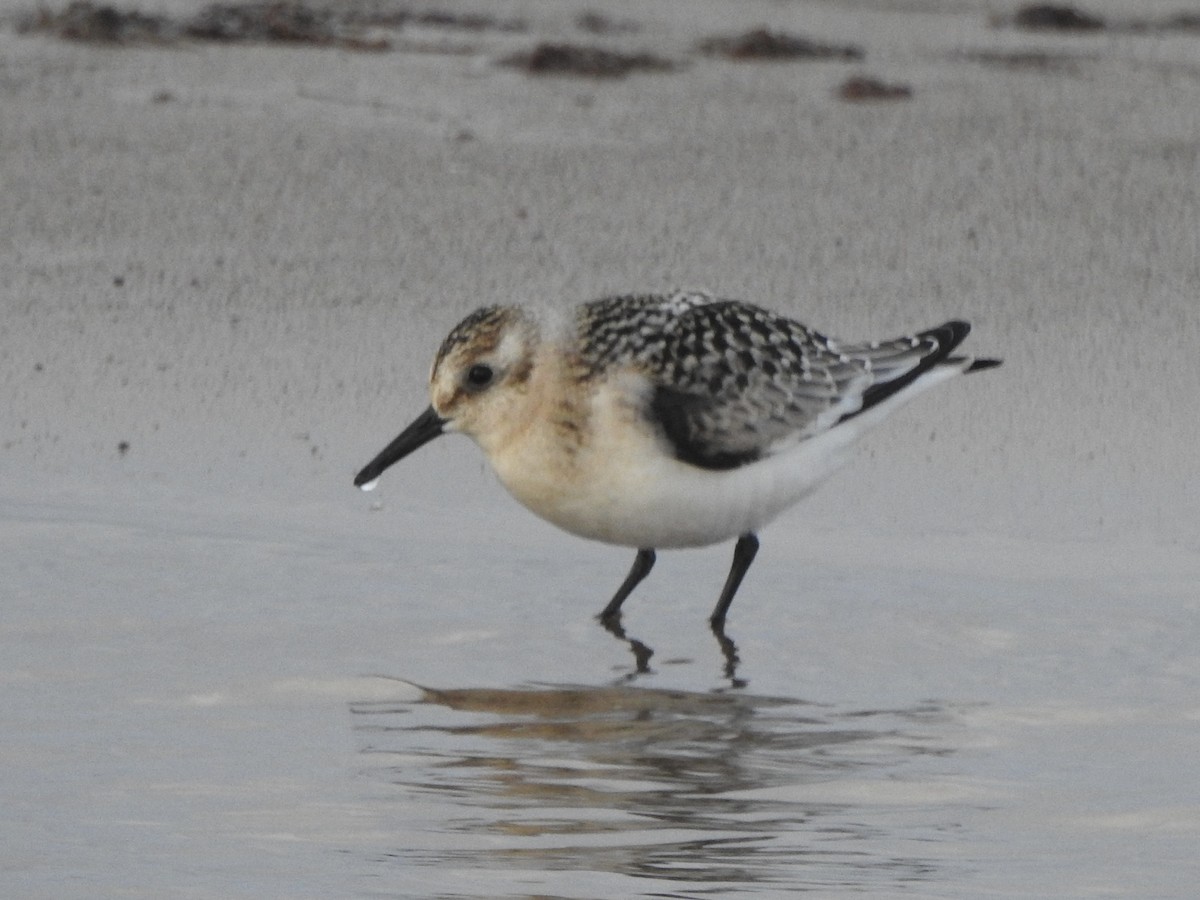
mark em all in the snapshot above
pixel 642 564
pixel 743 555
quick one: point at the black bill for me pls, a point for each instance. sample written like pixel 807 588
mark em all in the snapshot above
pixel 424 429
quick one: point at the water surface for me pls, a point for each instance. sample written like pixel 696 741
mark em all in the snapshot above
pixel 230 702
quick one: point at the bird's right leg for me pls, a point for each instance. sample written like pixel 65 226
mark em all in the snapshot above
pixel 642 564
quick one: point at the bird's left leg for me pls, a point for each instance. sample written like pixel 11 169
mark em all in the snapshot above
pixel 743 555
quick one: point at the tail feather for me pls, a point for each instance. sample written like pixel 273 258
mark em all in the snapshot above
pixel 978 365
pixel 940 341
pixel 935 345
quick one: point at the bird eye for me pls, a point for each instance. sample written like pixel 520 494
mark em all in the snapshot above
pixel 479 376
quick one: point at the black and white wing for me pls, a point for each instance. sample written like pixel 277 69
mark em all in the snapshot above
pixel 733 382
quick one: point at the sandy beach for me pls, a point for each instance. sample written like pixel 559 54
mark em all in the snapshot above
pixel 227 265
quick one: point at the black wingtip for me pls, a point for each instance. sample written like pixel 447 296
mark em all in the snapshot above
pixel 949 335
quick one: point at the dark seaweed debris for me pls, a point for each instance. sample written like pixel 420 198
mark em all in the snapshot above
pixel 1050 17
pixel 259 21
pixel 864 89
pixel 1056 17
pixel 762 44
pixel 593 62
pixel 86 21
pixel 1184 21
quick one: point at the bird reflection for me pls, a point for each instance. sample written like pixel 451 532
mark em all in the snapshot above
pixel 642 652
pixel 729 651
pixel 719 788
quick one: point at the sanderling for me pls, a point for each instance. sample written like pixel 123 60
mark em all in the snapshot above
pixel 666 420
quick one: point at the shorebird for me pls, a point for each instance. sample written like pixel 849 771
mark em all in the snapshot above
pixel 670 420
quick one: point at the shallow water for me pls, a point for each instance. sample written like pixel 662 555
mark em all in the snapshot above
pixel 224 701
pixel 587 791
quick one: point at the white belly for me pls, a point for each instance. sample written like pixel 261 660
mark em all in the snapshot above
pixel 621 485
pixel 623 488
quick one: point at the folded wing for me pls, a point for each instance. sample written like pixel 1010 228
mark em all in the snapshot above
pixel 732 382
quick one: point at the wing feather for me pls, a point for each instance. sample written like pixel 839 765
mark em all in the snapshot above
pixel 732 382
